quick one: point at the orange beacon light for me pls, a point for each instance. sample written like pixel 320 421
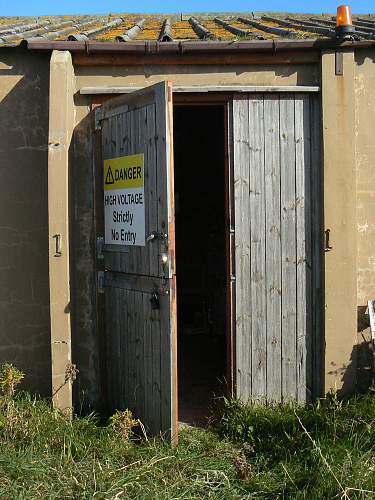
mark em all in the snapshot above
pixel 344 22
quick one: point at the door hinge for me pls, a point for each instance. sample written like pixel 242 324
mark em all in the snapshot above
pixel 99 247
pixel 100 281
pixel 98 119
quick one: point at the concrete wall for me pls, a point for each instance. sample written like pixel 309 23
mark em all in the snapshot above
pixel 251 74
pixel 24 292
pixel 349 186
pixel 365 183
pixel 338 104
pixel 349 206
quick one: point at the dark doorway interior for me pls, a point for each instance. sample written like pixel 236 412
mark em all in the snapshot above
pixel 199 135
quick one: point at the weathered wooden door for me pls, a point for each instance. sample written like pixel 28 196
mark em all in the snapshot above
pixel 140 281
pixel 277 246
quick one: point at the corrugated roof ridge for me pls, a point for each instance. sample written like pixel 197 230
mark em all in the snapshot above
pixel 201 30
pixel 237 31
pixel 96 31
pixel 133 32
pixel 303 27
pixel 268 29
pixel 166 34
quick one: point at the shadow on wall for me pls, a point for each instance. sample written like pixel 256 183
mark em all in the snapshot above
pixel 24 290
pixel 88 339
pixel 360 367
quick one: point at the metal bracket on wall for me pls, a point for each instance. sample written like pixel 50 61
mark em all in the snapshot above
pixel 58 247
pixel 339 63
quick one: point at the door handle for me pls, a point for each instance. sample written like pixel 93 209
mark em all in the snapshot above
pixel 328 247
pixel 155 235
pixel 58 250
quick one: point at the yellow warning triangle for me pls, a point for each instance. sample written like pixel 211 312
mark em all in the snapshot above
pixel 109 177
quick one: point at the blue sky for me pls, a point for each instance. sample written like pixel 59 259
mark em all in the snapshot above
pixel 48 7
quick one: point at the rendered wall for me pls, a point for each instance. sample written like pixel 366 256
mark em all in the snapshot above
pixel 338 103
pixel 24 291
pixel 365 173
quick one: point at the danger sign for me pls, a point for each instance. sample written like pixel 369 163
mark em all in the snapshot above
pixel 124 209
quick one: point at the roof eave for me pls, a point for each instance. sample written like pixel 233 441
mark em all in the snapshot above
pixel 186 47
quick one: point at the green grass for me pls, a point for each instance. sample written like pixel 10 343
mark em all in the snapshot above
pixel 323 451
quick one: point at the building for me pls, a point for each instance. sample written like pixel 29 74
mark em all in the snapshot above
pixel 256 190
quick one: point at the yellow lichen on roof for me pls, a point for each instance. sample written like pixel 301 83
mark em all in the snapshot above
pixel 251 29
pixel 271 24
pixel 113 33
pixel 77 32
pixel 218 31
pixel 151 31
pixel 182 30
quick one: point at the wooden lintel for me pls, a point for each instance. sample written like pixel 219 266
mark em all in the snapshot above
pixel 204 89
pixel 287 57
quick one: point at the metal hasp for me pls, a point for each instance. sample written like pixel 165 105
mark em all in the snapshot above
pixel 156 235
pixel 339 63
pixel 155 302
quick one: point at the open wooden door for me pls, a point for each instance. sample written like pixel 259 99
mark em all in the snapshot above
pixel 139 255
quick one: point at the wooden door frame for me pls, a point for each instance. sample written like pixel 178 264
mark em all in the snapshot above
pixel 223 99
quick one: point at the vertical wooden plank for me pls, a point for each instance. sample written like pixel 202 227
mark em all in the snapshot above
pixel 242 244
pixel 125 260
pixel 125 350
pixel 139 364
pixel 147 358
pixel 109 344
pixel 316 247
pixel 168 381
pixel 132 395
pixel 152 190
pixel 273 285
pixel 151 199
pixel 288 244
pixel 156 333
pixel 118 305
pixel 302 121
pixel 258 247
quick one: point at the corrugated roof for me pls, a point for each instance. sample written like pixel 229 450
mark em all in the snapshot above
pixel 130 27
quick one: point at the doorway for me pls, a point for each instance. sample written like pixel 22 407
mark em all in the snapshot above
pixel 200 206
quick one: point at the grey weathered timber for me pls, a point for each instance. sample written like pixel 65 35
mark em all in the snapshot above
pixel 141 341
pixel 206 88
pixel 277 176
pixel 288 248
pixel 303 232
pixel 317 361
pixel 257 247
pixel 242 246
pixel 273 283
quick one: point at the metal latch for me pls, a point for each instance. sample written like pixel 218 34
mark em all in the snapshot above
pixel 328 246
pixel 155 302
pixel 156 235
pixel 58 247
